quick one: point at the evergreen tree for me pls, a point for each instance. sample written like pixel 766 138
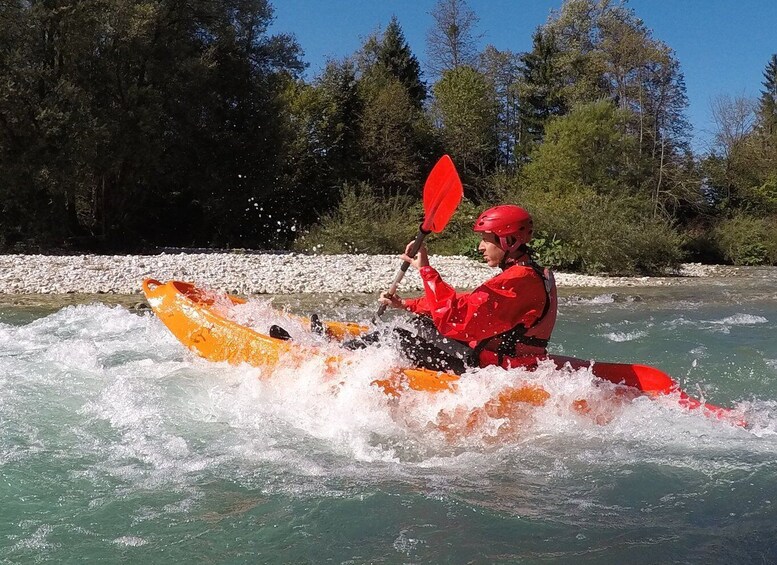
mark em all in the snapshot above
pixel 396 142
pixel 768 101
pixel 500 69
pixel 394 54
pixel 540 88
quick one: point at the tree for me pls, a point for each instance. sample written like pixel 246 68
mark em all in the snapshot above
pixel 323 121
pixel 768 103
pixel 143 122
pixel 734 122
pixel 394 135
pixel 740 171
pixel 540 89
pixel 597 49
pixel 582 187
pixel 584 150
pixel 396 141
pixel 500 69
pixel 466 113
pixel 393 53
pixel 451 42
pixel 602 50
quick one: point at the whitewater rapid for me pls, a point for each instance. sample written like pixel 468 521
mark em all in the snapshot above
pixel 117 443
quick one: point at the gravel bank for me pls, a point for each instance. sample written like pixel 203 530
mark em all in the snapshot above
pixel 250 273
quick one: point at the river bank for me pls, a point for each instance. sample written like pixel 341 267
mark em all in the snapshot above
pixel 257 273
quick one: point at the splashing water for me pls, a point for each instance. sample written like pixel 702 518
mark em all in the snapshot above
pixel 116 442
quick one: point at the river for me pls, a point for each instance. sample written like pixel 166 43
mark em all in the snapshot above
pixel 117 445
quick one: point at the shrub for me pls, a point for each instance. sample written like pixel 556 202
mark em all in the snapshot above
pixel 550 251
pixel 747 240
pixel 594 233
pixel 458 238
pixel 364 223
pixel 367 223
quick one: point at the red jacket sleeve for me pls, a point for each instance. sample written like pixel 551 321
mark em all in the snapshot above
pixel 515 296
pixel 417 305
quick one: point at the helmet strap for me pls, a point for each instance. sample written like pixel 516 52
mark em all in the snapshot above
pixel 508 260
pixel 509 244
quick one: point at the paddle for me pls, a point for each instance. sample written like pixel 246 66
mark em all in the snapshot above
pixel 442 194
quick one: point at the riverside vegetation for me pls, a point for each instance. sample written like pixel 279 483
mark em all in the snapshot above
pixel 130 125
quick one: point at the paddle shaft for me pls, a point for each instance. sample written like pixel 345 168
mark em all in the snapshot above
pixel 419 240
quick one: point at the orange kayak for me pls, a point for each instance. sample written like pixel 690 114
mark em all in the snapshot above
pixel 190 313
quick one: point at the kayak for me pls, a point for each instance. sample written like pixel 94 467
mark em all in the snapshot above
pixel 194 317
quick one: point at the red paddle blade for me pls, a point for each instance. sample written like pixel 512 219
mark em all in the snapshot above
pixel 442 193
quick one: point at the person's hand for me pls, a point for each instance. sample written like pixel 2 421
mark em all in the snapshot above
pixel 392 300
pixel 420 260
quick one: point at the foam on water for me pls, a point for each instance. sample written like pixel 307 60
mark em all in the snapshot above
pixel 125 371
pixel 723 325
pixel 121 408
pixel 741 320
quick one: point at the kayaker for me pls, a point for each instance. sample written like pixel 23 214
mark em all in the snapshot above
pixel 506 321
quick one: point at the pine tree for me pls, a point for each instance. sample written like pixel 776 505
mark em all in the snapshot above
pixel 768 103
pixel 394 54
pixel 541 90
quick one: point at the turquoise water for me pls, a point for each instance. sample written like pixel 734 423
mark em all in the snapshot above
pixel 116 445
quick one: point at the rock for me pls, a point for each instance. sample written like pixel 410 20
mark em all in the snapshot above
pixel 246 273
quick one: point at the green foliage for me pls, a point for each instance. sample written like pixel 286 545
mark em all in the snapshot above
pixel 466 112
pixel 594 233
pixel 394 135
pixel 768 102
pixel 550 251
pixel 540 88
pixel 394 54
pixel 128 124
pixel 364 222
pixel 500 69
pixel 747 240
pixel 324 131
pixel 396 138
pixel 141 122
pixel 585 149
pixel 762 199
pixel 458 238
pixel 595 50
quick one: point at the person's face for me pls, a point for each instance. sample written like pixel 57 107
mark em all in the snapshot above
pixel 489 247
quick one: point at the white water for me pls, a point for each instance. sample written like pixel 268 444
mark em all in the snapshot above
pixel 130 424
pixel 106 369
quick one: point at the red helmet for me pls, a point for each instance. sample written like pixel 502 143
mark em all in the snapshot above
pixel 506 221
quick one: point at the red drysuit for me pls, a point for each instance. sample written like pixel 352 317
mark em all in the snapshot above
pixel 516 296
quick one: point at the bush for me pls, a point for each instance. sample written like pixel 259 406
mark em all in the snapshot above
pixel 364 223
pixel 458 238
pixel 581 231
pixel 747 240
pixel 367 223
pixel 550 251
pixel 594 233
